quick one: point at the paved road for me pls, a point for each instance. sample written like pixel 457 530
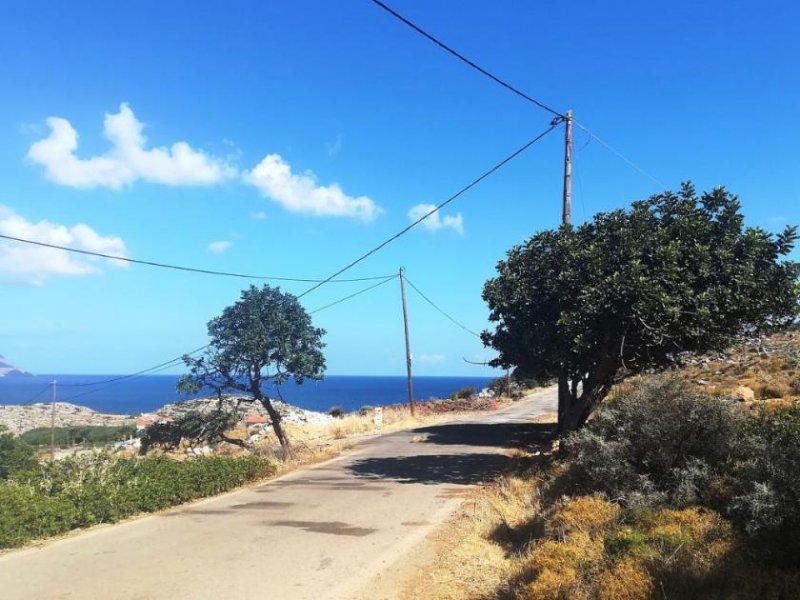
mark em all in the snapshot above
pixel 321 532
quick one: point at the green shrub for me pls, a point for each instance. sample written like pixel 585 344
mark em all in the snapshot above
pixel 91 435
pixel 464 393
pixel 766 497
pixel 337 412
pixel 194 426
pixel 661 442
pixel 15 455
pixel 84 491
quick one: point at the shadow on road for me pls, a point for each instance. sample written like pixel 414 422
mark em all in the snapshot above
pixel 461 468
pixel 498 435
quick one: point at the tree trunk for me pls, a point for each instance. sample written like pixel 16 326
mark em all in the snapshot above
pixel 564 398
pixel 574 408
pixel 276 418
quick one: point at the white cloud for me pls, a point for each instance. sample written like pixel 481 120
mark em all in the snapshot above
pixel 258 215
pixel 126 161
pixel 431 359
pixel 436 221
pixel 219 247
pixel 25 263
pixel 300 193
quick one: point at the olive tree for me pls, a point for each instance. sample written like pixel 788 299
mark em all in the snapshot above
pixel 629 290
pixel 265 337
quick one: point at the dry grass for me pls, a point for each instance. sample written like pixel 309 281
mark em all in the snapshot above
pixel 770 367
pixel 511 541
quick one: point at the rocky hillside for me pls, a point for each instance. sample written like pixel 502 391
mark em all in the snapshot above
pixel 755 370
pixel 9 370
pixel 289 412
pixel 20 418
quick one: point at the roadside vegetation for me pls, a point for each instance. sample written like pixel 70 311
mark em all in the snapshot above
pixel 44 499
pixel 669 492
pixel 48 499
pixel 664 482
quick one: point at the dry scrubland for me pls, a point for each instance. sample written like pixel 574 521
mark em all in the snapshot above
pixel 693 529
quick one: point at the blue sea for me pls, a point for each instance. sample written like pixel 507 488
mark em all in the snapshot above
pixel 147 393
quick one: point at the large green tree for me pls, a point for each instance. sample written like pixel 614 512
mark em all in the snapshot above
pixel 266 336
pixel 629 290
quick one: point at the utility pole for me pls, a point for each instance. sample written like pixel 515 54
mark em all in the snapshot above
pixel 408 344
pixel 566 219
pixel 566 215
pixel 53 425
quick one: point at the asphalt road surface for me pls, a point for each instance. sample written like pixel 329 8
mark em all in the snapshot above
pixel 320 532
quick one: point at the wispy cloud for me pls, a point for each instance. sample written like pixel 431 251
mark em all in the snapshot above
pixel 431 359
pixel 23 263
pixel 127 160
pixel 219 247
pixel 335 147
pixel 437 221
pixel 258 215
pixel 301 193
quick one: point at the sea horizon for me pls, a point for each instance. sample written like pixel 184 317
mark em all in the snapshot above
pixel 147 393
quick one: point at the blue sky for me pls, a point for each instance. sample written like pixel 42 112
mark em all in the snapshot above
pixel 240 103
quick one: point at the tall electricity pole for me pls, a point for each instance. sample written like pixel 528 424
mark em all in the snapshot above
pixel 566 219
pixel 408 344
pixel 53 425
pixel 566 214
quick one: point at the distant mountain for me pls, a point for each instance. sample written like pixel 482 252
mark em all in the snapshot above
pixel 9 370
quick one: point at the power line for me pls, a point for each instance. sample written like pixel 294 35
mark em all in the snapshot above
pixel 340 300
pixel 433 304
pixel 104 387
pixel 511 88
pixel 464 59
pixel 175 361
pixel 150 263
pixel 39 393
pixel 405 230
pixel 165 364
pixel 619 154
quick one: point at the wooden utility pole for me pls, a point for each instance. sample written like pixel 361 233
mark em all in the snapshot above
pixel 53 425
pixel 566 219
pixel 566 215
pixel 408 344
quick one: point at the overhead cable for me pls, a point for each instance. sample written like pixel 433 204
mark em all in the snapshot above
pixel 439 206
pixel 466 60
pixel 340 300
pixel 39 393
pixel 181 268
pixel 619 154
pixel 433 304
pixel 168 363
pixel 118 380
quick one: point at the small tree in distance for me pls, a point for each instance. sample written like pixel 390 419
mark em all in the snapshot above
pixel 266 336
pixel 626 292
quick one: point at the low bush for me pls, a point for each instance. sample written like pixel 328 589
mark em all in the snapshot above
pixel 15 455
pixel 464 393
pixel 78 492
pixel 766 488
pixel 658 442
pixel 337 412
pixel 65 436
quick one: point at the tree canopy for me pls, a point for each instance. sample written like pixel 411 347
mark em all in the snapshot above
pixel 629 290
pixel 266 336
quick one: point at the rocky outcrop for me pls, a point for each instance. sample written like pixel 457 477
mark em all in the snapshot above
pixel 9 370
pixel 21 418
pixel 245 408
